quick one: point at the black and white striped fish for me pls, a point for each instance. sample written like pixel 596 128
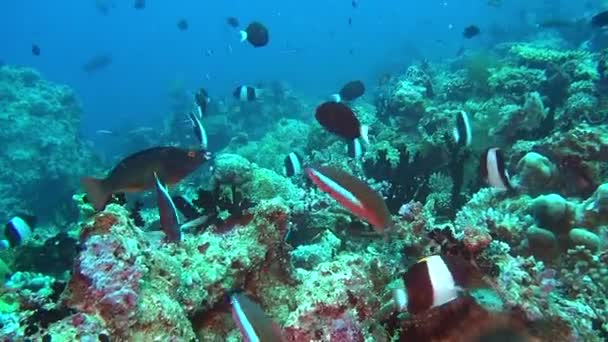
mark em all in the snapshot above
pixel 492 169
pixel 169 217
pixel 462 133
pixel 199 131
pixel 17 231
pixel 246 93
pixel 355 149
pixel 292 165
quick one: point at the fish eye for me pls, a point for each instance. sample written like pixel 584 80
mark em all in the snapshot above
pixel 191 154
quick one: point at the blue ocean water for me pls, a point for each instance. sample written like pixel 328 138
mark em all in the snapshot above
pixel 313 48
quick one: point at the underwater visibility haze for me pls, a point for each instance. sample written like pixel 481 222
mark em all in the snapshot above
pixel 345 170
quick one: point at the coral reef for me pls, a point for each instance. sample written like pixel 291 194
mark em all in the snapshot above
pixel 320 273
pixel 44 156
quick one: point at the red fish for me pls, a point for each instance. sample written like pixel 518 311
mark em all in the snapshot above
pixel 252 321
pixel 136 172
pixel 354 194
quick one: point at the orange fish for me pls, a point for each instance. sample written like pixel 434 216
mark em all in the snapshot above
pixel 136 172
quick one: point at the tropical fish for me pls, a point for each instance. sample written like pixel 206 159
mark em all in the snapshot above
pixel 350 91
pixel 492 169
pixel 97 63
pixel 201 98
pixel 232 22
pixel 18 230
pixel 183 25
pixel 185 207
pixel 434 281
pixel 600 20
pixel 292 164
pixel 199 131
pixel 252 321
pixel 354 194
pixel 136 172
pixel 355 149
pixel 246 93
pixel 462 131
pixel 471 31
pixel 35 50
pixel 256 34
pixel 339 119
pixel 169 218
pixel 139 4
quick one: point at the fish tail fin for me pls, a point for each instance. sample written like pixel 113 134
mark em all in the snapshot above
pixel 243 35
pixel 365 133
pixel 96 190
pixel 336 98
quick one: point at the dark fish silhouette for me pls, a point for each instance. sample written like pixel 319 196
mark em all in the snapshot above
pixel 97 63
pixel 139 4
pixel 232 22
pixel 350 91
pixel 136 172
pixel 256 34
pixel 339 119
pixel 182 25
pixel 600 19
pixel 471 31
pixel 35 50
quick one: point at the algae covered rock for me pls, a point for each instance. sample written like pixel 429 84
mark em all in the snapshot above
pixel 582 236
pixel 536 173
pixel 552 212
pixel 44 156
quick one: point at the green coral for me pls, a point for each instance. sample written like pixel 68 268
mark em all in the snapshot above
pixel 542 55
pixel 517 80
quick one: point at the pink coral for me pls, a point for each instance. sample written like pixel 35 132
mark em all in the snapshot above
pixel 106 281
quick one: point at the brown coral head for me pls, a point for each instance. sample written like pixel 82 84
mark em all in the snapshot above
pixel 577 177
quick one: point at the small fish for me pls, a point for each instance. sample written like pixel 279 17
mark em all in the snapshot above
pixel 354 194
pixel 35 50
pixel 139 4
pixel 232 22
pixel 434 281
pixel 350 91
pixel 600 20
pixel 182 25
pixel 201 98
pixel 462 131
pixel 354 4
pixel 97 63
pixel 104 132
pixel 355 149
pixel 471 31
pixel 199 131
pixel 136 172
pixel 18 230
pixel 169 218
pixel 339 119
pixel 350 21
pixel 493 171
pixel 246 93
pixel 251 320
pixel 292 164
pixel 256 34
